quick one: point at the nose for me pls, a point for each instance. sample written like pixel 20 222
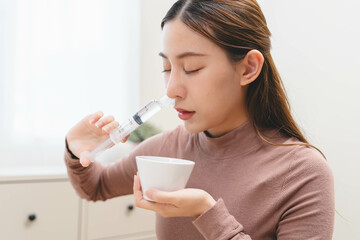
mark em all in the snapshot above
pixel 175 87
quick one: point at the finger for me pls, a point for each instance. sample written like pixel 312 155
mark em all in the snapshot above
pixel 95 117
pixel 110 127
pixel 138 196
pixel 161 196
pixel 125 139
pixel 84 159
pixel 138 192
pixel 166 210
pixel 140 201
pixel 137 189
pixel 137 183
pixel 105 120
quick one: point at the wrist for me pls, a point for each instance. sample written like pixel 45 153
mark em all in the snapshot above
pixel 73 156
pixel 208 203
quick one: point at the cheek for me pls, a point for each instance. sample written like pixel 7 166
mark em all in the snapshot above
pixel 219 93
pixel 220 84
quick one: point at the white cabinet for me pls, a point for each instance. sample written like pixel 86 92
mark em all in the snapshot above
pixel 38 210
pixel 117 219
pixel 43 205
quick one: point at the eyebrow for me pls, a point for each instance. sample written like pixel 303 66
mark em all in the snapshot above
pixel 183 55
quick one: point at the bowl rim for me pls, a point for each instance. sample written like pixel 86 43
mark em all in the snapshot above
pixel 177 161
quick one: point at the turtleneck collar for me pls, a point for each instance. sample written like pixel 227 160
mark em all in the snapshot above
pixel 239 141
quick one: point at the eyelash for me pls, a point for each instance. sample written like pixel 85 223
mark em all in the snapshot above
pixel 186 72
pixel 190 72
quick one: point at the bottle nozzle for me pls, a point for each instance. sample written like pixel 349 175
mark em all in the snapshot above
pixel 165 101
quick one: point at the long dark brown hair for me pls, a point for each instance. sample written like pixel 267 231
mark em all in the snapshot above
pixel 238 26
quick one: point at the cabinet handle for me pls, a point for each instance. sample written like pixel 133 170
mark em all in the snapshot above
pixel 130 207
pixel 32 217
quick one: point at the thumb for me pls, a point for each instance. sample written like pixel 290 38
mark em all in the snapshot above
pixel 84 159
pixel 160 196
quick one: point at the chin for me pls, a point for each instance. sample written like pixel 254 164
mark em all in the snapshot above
pixel 193 128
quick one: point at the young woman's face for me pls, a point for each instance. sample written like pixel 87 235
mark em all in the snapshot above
pixel 202 79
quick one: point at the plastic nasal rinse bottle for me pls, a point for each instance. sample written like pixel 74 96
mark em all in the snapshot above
pixel 141 116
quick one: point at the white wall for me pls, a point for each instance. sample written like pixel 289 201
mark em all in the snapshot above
pixel 60 61
pixel 151 78
pixel 315 47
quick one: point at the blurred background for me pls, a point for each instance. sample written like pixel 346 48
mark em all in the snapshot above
pixel 62 60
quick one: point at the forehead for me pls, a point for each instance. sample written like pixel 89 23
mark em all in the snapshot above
pixel 178 38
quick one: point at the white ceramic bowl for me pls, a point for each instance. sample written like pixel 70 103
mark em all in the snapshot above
pixel 163 173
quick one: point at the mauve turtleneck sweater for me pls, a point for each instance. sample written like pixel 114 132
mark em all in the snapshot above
pixel 262 191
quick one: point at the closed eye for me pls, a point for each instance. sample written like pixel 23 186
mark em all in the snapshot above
pixel 165 71
pixel 193 71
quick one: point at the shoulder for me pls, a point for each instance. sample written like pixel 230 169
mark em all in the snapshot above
pixel 299 158
pixel 307 194
pixel 297 163
pixel 310 160
pixel 308 168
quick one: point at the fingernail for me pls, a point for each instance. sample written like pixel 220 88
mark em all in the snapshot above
pixel 149 194
pixel 106 128
pixel 82 162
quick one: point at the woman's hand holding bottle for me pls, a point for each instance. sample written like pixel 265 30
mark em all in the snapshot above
pixel 88 133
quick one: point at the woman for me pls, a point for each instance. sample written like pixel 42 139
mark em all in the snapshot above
pixel 256 176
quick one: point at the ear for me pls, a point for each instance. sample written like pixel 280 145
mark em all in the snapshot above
pixel 250 67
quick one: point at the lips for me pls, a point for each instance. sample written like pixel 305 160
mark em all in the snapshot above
pixel 184 114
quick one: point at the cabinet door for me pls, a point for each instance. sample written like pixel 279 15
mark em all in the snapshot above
pixel 118 218
pixel 38 210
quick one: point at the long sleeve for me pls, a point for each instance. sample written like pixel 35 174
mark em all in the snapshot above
pixel 264 192
pixel 307 203
pixel 218 224
pixel 98 182
pixel 305 206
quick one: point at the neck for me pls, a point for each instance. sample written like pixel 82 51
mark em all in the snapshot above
pixel 213 133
